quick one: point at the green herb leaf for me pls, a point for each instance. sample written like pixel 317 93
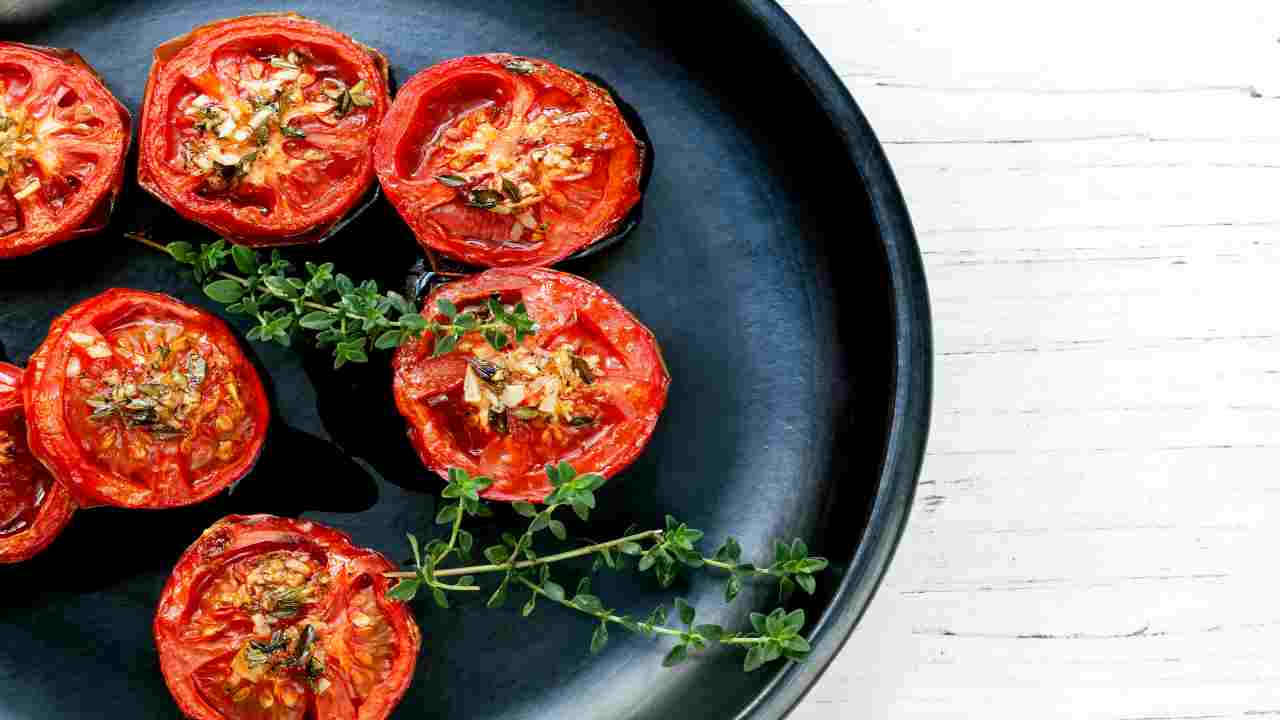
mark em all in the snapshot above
pixel 599 638
pixel 405 590
pixel 589 603
pixel 755 658
pixel 678 655
pixel 553 590
pixel 224 291
pixel 794 621
pixel 183 252
pixel 499 597
pixel 686 611
pixel 388 340
pixel 558 529
pixel 712 633
pixel 786 586
pixel 497 554
pixel 246 260
pixel 511 191
pixel 807 583
pixel 732 587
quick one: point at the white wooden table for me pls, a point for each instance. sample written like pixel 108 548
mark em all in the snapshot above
pixel 1096 187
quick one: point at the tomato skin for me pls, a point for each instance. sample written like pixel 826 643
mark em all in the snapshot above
pixel 55 511
pixel 246 226
pixel 91 205
pixel 237 536
pixel 46 397
pixel 437 96
pixel 558 302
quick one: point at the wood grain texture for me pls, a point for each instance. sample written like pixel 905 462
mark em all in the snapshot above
pixel 1093 184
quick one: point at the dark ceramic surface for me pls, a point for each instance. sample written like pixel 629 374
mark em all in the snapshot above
pixel 774 262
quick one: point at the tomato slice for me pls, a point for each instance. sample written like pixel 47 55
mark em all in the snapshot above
pixel 261 127
pixel 587 387
pixel 34 507
pixel 498 160
pixel 138 400
pixel 63 141
pixel 273 618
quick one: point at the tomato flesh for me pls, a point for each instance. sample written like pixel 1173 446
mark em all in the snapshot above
pixel 163 407
pixel 63 139
pixel 23 482
pixel 497 160
pixel 34 508
pixel 150 403
pixel 587 387
pixel 274 618
pixel 261 127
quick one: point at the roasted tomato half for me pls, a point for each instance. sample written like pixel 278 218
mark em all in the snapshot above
pixel 262 127
pixel 138 400
pixel 34 508
pixel 497 160
pixel 272 618
pixel 63 140
pixel 586 387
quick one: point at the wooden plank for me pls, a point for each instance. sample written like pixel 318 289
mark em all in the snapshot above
pixel 1093 184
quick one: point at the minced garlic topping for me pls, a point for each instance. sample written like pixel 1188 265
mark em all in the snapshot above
pixel 241 134
pixel 530 384
pixel 510 175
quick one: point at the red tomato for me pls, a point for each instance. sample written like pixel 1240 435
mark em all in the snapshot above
pixel 271 618
pixel 261 127
pixel 587 387
pixel 34 508
pixel 138 400
pixel 497 160
pixel 63 140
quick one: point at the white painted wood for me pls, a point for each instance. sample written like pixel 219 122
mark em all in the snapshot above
pixel 1096 185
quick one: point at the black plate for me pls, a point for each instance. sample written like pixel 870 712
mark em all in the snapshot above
pixel 775 262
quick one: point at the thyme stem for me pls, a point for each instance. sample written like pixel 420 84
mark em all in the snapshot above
pixel 453 540
pixel 730 567
pixel 549 559
pixel 607 617
pixel 657 629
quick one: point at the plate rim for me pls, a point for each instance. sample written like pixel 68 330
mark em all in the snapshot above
pixel 912 371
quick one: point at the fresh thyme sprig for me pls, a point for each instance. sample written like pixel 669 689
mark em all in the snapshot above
pixel 773 636
pixel 350 317
pixel 494 321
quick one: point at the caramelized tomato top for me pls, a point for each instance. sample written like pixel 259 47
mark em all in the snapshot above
pixel 499 160
pixel 63 139
pixel 140 400
pixel 33 507
pixel 268 617
pixel 261 127
pixel 587 387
